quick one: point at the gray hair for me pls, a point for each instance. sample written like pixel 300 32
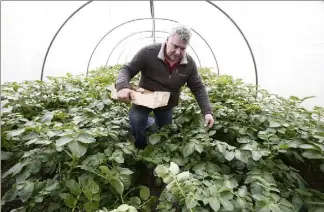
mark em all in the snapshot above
pixel 183 31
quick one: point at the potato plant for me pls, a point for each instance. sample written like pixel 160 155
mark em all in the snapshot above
pixel 66 146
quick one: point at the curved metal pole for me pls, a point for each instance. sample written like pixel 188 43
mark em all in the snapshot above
pixel 140 19
pixel 140 33
pixel 255 67
pixel 122 51
pixel 49 47
pixel 164 38
pixel 153 19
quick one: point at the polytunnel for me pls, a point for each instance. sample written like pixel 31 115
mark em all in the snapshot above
pixel 68 145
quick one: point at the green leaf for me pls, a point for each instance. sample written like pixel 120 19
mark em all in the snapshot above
pixel 274 124
pixel 243 140
pixel 241 202
pixel 256 155
pixel 297 202
pixel 307 146
pixel 274 208
pixel 168 178
pixel 190 202
pixel 118 185
pixel 283 146
pixel 125 171
pixel 47 117
pixel 14 133
pixel 51 186
pixel 214 203
pixel 6 110
pixel 154 139
pixel 183 176
pixel 100 105
pixel 21 209
pixel 212 132
pixel 10 195
pixel 26 191
pixel 78 149
pixel 242 191
pixel 241 156
pixel 304 192
pixel 6 155
pixel 94 187
pixel 68 199
pixel 144 193
pixel 135 201
pixel 73 186
pixel 85 138
pixel 262 119
pixel 94 160
pixel 51 134
pixel 90 187
pixel 264 209
pixel 226 203
pixel 53 207
pixel 118 156
pixel 161 170
pixel 91 206
pixel 14 170
pixel 63 140
pixel 313 154
pixel 123 207
pixel 88 193
pixel 228 155
pixel 199 148
pixel 174 168
pixel 189 149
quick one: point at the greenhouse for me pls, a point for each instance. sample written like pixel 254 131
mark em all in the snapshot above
pixel 168 106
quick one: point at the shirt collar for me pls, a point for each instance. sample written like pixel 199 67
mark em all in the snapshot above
pixel 162 57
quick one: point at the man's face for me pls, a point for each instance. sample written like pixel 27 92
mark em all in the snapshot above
pixel 175 48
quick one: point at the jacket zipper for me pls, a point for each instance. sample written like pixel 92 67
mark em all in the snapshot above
pixel 176 70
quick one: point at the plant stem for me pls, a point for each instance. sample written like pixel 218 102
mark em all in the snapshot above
pixel 68 153
pixel 60 171
pixel 72 165
pixel 143 204
pixel 131 191
pixel 100 175
pixel 180 189
pixel 76 202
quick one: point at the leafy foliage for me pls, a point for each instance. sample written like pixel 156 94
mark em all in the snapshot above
pixel 67 146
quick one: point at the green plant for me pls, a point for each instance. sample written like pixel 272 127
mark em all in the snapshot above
pixel 66 144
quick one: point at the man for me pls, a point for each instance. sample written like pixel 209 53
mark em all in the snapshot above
pixel 164 67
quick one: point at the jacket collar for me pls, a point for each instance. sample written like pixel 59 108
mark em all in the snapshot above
pixel 161 55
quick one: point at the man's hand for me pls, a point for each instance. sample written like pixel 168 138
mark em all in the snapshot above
pixel 125 95
pixel 209 120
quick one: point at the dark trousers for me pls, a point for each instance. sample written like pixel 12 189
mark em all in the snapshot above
pixel 140 121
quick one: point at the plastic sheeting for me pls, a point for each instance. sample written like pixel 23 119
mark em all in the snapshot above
pixel 287 39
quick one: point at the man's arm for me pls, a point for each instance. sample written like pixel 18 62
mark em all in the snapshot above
pixel 199 90
pixel 128 71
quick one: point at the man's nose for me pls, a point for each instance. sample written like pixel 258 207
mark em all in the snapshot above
pixel 178 51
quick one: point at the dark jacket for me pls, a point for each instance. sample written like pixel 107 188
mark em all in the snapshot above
pixel 156 77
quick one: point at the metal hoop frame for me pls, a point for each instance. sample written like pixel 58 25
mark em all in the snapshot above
pixel 140 19
pixel 153 18
pixel 139 32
